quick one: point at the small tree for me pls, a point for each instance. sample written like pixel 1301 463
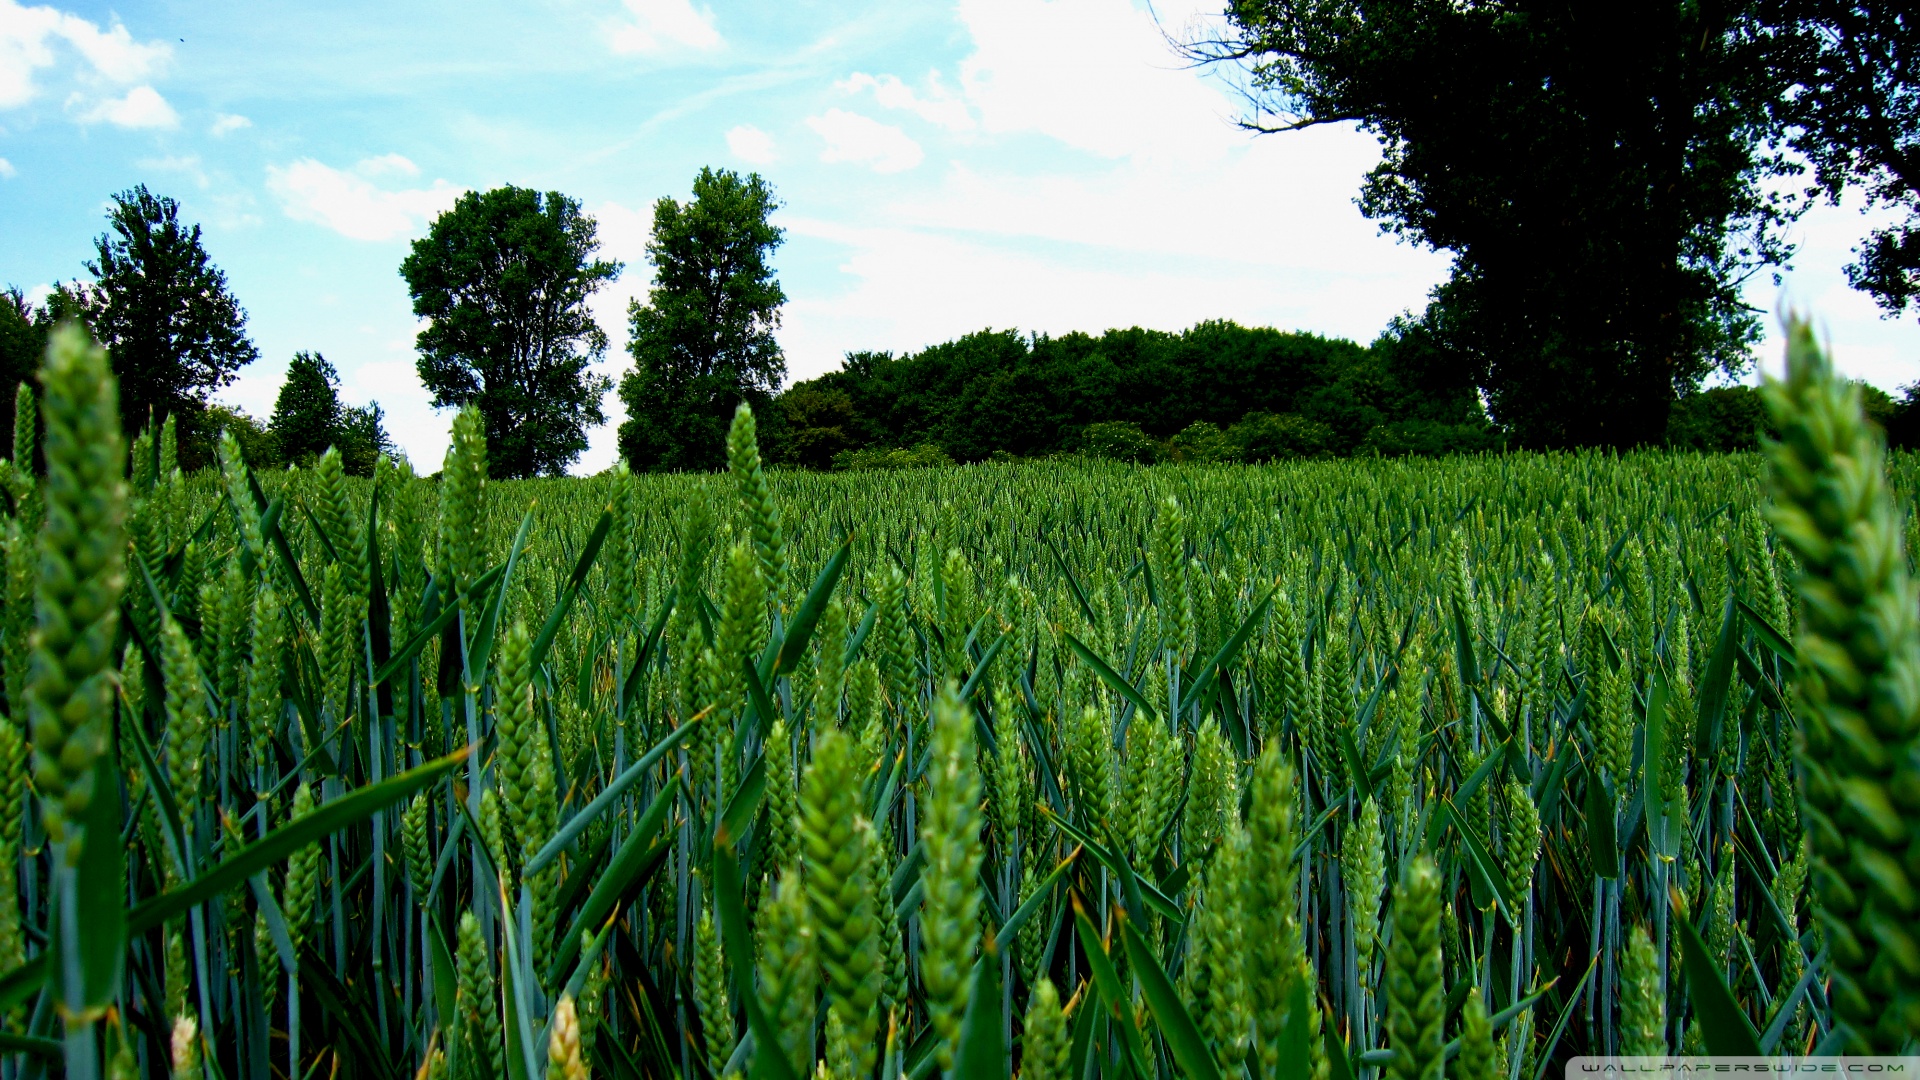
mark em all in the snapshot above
pixel 306 414
pixel 23 337
pixel 308 418
pixel 703 341
pixel 504 278
pixel 162 309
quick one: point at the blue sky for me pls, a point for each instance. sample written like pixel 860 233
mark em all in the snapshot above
pixel 1038 164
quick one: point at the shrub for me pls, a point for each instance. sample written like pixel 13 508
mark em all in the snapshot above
pixel 924 456
pixel 1119 440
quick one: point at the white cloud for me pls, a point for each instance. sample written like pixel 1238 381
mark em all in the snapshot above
pixel 940 107
pixel 7 171
pixel 387 165
pixel 227 123
pixel 28 36
pixel 349 203
pixel 1096 75
pixel 140 107
pixel 751 145
pixel 661 26
pixel 189 165
pixel 853 137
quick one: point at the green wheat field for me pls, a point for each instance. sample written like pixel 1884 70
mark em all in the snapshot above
pixel 1319 771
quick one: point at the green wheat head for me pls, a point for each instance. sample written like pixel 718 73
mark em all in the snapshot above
pixel 1859 682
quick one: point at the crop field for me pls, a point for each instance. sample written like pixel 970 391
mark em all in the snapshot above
pixel 1316 771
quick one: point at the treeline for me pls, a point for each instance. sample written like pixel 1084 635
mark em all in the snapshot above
pixel 1214 393
pixel 1217 391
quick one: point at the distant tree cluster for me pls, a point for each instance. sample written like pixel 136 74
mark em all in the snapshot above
pixel 175 335
pixel 1215 392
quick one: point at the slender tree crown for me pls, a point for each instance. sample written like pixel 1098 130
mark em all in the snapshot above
pixel 162 309
pixel 306 414
pixel 703 342
pixel 308 417
pixel 504 278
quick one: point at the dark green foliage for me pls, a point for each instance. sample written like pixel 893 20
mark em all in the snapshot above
pixel 1119 440
pixel 703 342
pixel 23 340
pixel 819 422
pixel 257 445
pixel 1596 171
pixel 1257 394
pixel 308 418
pixel 1856 118
pixel 23 337
pixel 1720 420
pixel 505 277
pixel 307 411
pixel 162 309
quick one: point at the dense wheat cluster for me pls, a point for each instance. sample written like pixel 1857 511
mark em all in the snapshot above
pixel 1326 770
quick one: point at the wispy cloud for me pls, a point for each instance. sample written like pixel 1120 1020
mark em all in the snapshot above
pixel 7 171
pixel 939 107
pixel 228 123
pixel 862 139
pixel 660 26
pixel 349 203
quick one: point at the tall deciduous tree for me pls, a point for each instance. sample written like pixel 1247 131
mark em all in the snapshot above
pixel 174 332
pixel 504 278
pixel 1596 168
pixel 703 342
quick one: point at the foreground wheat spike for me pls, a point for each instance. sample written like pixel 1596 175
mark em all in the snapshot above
pixel 1859 682
pixel 462 551
pixel 950 914
pixel 1416 1005
pixel 13 794
pixel 303 877
pixel 1643 1015
pixel 189 714
pixel 1047 1043
pixel 564 1061
pixel 1215 972
pixel 789 972
pixel 839 897
pixel 186 1049
pixel 1363 868
pixel 482 1052
pixel 743 458
pixel 710 994
pixel 1477 1054
pixel 82 573
pixel 1275 953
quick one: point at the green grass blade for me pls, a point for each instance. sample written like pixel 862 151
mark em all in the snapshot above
pixel 1176 1024
pixel 330 817
pixel 579 822
pixel 1724 1026
pixel 982 1050
pixel 1109 676
pixel 800 630
pixel 1111 989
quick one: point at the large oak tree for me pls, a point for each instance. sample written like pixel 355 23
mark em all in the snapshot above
pixel 503 279
pixel 1597 168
